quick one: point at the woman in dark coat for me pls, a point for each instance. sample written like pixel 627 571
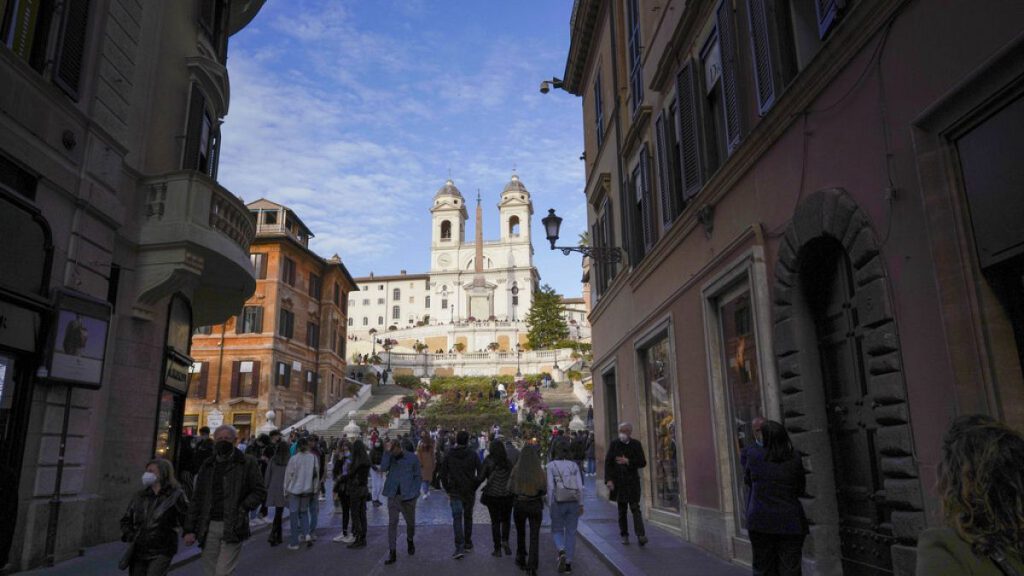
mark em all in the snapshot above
pixel 273 479
pixel 774 474
pixel 622 467
pixel 357 487
pixel 495 472
pixel 152 520
pixel 528 484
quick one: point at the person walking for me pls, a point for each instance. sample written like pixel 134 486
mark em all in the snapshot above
pixel 227 483
pixel 578 448
pixel 622 467
pixel 494 474
pixel 300 484
pixel 425 453
pixel 981 479
pixel 528 486
pixel 151 520
pixel 565 498
pixel 459 472
pixel 358 492
pixel 342 466
pixel 402 491
pixel 591 463
pixel 376 474
pixel 273 478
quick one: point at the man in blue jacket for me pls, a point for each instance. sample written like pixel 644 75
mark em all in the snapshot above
pixel 402 489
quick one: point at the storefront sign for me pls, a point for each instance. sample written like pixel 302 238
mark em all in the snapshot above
pixel 214 418
pixel 79 343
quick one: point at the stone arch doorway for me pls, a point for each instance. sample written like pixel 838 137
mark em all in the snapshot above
pixel 843 395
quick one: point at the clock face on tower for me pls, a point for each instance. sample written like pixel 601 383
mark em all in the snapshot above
pixel 444 260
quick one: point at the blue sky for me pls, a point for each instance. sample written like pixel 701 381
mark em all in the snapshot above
pixel 353 112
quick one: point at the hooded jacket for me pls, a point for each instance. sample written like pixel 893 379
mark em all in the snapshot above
pixel 460 473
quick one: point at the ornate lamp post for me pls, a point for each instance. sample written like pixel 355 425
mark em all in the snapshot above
pixel 552 223
pixel 373 337
pixel 519 351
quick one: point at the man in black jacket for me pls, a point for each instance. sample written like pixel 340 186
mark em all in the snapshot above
pixel 459 472
pixel 228 486
pixel 622 476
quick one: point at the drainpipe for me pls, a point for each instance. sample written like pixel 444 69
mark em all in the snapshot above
pixel 220 363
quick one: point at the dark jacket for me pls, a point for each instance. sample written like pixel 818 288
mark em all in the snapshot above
pixel 155 518
pixel 941 552
pixel 459 472
pixel 773 503
pixel 512 452
pixel 626 477
pixel 578 449
pixel 358 480
pixel 243 491
pixel 496 478
pixel 404 475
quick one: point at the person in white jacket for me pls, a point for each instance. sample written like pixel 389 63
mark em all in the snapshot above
pixel 301 479
pixel 565 495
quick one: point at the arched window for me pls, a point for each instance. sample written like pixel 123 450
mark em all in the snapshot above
pixel 446 230
pixel 396 294
pixel 513 226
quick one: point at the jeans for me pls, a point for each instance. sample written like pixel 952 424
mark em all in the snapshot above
pixel 501 520
pixel 298 508
pixel 155 566
pixel 591 466
pixel 638 519
pixel 565 517
pixel 462 522
pixel 358 506
pixel 346 511
pixel 777 554
pixel 407 508
pixel 425 486
pixel 314 513
pixel 219 557
pixel 376 484
pixel 532 510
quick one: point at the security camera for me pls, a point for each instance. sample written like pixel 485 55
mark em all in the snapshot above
pixel 545 87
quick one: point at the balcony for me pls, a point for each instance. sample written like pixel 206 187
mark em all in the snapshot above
pixel 194 238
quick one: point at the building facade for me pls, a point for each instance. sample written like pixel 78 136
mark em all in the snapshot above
pixel 285 350
pixel 446 293
pixel 820 218
pixel 118 239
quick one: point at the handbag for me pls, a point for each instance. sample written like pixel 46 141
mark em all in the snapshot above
pixel 563 494
pixel 126 557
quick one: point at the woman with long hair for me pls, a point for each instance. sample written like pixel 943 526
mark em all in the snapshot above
pixel 528 485
pixel 150 524
pixel 342 466
pixel 495 474
pixel 273 478
pixel 774 474
pixel 981 487
pixel 565 498
pixel 425 453
pixel 357 487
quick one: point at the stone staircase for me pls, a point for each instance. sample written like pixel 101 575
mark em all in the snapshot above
pixel 561 397
pixel 381 400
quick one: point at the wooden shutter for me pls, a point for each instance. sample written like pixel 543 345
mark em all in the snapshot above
pixel 730 88
pixel 625 220
pixel 71 47
pixel 609 241
pixel 204 374
pixel 828 11
pixel 760 44
pixel 259 320
pixel 194 128
pixel 648 235
pixel 668 211
pixel 255 389
pixel 689 131
pixel 235 377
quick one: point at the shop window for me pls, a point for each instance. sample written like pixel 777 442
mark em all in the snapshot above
pixel 661 425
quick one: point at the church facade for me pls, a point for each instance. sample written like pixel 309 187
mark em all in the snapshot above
pixel 468 281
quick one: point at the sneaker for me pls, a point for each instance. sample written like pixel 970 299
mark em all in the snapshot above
pixel 561 561
pixel 340 537
pixel 349 538
pixel 312 537
pixel 625 539
pixel 302 537
pixel 323 498
pixel 468 547
pixel 293 546
pixel 426 495
pixel 459 555
pixel 568 568
pixel 642 540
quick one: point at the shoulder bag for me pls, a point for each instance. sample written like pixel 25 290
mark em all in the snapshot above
pixel 563 494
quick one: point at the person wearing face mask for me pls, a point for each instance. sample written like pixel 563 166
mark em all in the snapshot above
pixel 273 478
pixel 301 479
pixel 228 486
pixel 402 488
pixel 622 467
pixel 151 520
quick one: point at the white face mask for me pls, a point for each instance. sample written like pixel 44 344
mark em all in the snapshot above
pixel 623 437
pixel 148 479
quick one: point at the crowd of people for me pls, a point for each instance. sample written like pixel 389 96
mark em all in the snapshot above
pixel 226 489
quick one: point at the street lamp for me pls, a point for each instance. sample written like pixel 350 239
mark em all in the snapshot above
pixel 373 336
pixel 519 351
pixel 388 345
pixel 552 223
pixel 515 300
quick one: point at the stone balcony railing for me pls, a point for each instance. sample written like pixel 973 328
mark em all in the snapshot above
pixel 194 234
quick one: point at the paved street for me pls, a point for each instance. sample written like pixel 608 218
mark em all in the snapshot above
pixel 433 543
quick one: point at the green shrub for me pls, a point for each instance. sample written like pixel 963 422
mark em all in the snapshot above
pixel 471 416
pixel 408 381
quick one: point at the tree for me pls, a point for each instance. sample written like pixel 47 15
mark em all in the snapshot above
pixel 545 322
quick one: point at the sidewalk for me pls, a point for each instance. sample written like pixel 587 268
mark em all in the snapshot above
pixel 665 553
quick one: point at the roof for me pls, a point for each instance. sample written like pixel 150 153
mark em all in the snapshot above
pixel 264 204
pixel 515 185
pixel 392 277
pixel 581 34
pixel 449 189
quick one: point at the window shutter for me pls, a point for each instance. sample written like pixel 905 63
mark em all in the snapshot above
pixel 204 373
pixel 730 89
pixel 256 378
pixel 71 51
pixel 259 320
pixel 624 218
pixel 196 109
pixel 760 44
pixel 688 130
pixel 235 376
pixel 211 169
pixel 609 242
pixel 239 321
pixel 828 11
pixel 668 212
pixel 646 206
